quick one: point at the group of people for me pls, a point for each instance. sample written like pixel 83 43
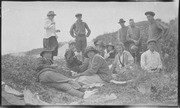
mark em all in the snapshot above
pixel 99 63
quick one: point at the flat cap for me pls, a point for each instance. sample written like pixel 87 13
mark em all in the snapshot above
pixel 150 13
pixel 78 14
pixel 151 40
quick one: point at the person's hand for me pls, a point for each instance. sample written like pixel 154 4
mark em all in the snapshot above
pixel 76 75
pixel 54 65
pixel 58 30
pixel 136 42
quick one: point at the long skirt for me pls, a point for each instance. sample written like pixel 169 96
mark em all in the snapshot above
pixel 51 43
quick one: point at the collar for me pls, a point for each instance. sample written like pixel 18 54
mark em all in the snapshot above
pixel 152 52
pixel 153 21
pixel 78 21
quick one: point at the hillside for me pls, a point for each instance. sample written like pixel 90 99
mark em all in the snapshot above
pixel 112 37
pixel 38 50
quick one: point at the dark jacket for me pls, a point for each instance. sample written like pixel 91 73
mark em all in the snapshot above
pixel 71 59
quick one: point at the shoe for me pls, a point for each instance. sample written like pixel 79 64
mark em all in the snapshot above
pixel 89 93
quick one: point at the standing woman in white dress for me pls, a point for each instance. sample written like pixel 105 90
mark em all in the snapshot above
pixel 50 41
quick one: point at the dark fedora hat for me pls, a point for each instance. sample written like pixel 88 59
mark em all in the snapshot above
pixel 90 48
pixel 121 21
pixel 45 51
pixel 150 13
pixel 78 14
pixel 151 40
pixel 51 13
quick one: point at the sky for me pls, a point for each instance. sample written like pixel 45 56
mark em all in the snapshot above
pixel 22 22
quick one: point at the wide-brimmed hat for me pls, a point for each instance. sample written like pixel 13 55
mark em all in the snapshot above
pixel 44 51
pixel 150 13
pixel 121 21
pixel 110 44
pixel 101 44
pixel 89 48
pixel 151 40
pixel 78 14
pixel 51 13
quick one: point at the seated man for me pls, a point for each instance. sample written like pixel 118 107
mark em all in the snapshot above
pixel 98 70
pixel 122 61
pixel 150 60
pixel 50 75
pixel 71 59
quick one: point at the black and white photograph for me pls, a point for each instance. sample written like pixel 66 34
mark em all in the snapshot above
pixel 106 53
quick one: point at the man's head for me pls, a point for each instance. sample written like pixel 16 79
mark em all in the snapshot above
pixel 78 16
pixel 51 14
pixel 110 46
pixel 46 54
pixel 72 45
pixel 90 52
pixel 131 23
pixel 121 22
pixel 151 45
pixel 150 15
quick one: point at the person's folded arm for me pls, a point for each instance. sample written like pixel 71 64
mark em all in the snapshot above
pixel 89 31
pixel 96 64
pixel 48 24
pixel 143 61
pixel 159 62
pixel 72 30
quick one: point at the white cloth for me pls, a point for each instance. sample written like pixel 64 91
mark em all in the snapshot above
pixel 90 79
pixel 50 28
pixel 150 60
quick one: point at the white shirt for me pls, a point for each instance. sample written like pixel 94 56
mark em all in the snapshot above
pixel 50 28
pixel 150 60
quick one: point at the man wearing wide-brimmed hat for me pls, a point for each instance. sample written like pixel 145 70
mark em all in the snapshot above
pixel 98 70
pixel 156 31
pixel 122 33
pixel 50 75
pixel 78 31
pixel 133 35
pixel 150 60
pixel 50 41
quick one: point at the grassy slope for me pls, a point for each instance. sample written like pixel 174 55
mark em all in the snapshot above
pixel 19 72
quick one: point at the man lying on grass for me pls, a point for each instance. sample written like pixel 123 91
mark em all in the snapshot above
pixel 50 75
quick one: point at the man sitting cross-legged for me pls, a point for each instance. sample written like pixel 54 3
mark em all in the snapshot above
pixel 50 75
pixel 150 60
